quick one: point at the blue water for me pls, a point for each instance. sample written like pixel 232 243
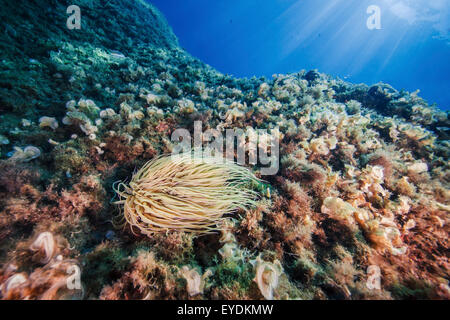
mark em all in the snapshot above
pixel 261 37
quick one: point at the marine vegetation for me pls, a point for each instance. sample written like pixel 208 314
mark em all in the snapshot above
pixel 359 208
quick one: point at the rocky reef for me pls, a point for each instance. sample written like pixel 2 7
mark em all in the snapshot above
pixel 363 185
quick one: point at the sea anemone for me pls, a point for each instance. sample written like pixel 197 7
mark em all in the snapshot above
pixel 185 193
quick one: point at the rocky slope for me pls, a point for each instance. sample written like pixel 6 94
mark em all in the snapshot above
pixel 363 184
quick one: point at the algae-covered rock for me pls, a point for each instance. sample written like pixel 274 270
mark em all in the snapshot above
pixel 36 74
pixel 361 182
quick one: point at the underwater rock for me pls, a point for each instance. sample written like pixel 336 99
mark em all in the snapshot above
pixel 363 178
pixel 312 75
pixel 380 95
